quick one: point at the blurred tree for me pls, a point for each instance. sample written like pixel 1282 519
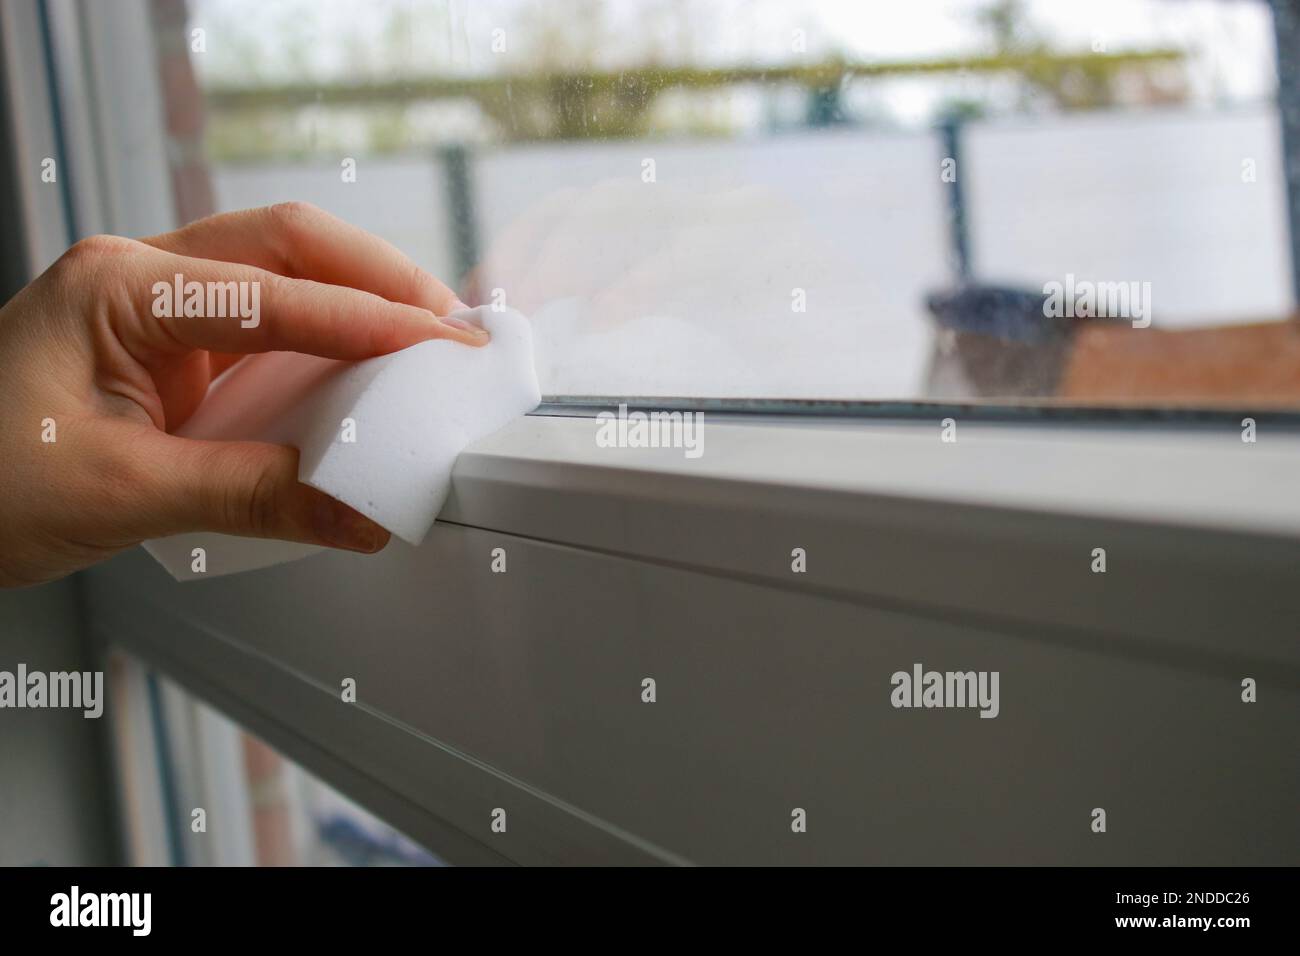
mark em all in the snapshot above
pixel 1076 84
pixel 582 69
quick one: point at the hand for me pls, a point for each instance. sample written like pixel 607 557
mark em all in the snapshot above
pixel 92 381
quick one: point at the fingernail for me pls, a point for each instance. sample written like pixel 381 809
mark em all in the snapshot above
pixel 463 325
pixel 341 527
pixel 460 306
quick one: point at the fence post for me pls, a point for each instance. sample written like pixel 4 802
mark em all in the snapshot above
pixel 459 184
pixel 950 129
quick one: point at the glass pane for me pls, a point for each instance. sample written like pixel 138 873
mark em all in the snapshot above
pixel 997 200
pixel 232 799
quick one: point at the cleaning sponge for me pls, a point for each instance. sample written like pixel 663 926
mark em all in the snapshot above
pixel 380 435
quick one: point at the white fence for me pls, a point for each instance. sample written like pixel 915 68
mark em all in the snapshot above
pixel 678 267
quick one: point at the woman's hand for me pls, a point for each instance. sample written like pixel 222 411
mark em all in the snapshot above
pixel 94 373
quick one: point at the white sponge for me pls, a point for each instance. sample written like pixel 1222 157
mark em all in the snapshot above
pixel 380 435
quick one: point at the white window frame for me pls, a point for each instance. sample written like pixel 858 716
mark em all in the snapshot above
pixel 984 542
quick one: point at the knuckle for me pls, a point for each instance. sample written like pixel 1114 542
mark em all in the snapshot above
pixel 417 280
pixel 291 225
pixel 381 322
pixel 294 217
pixel 276 294
pixel 94 250
pixel 259 508
pixel 277 288
pixel 424 288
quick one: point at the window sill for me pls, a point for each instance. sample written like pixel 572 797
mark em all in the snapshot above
pixel 479 690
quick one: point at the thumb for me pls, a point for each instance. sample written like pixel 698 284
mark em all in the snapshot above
pixel 251 489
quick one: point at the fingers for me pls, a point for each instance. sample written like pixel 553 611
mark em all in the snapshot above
pixel 229 307
pixel 246 488
pixel 300 241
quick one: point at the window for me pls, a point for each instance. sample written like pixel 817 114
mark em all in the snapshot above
pixel 990 200
pixel 201 791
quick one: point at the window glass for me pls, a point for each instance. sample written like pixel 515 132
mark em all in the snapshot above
pixel 996 200
pixel 226 797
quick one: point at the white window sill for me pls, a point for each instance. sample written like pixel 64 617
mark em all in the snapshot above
pixel 478 690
